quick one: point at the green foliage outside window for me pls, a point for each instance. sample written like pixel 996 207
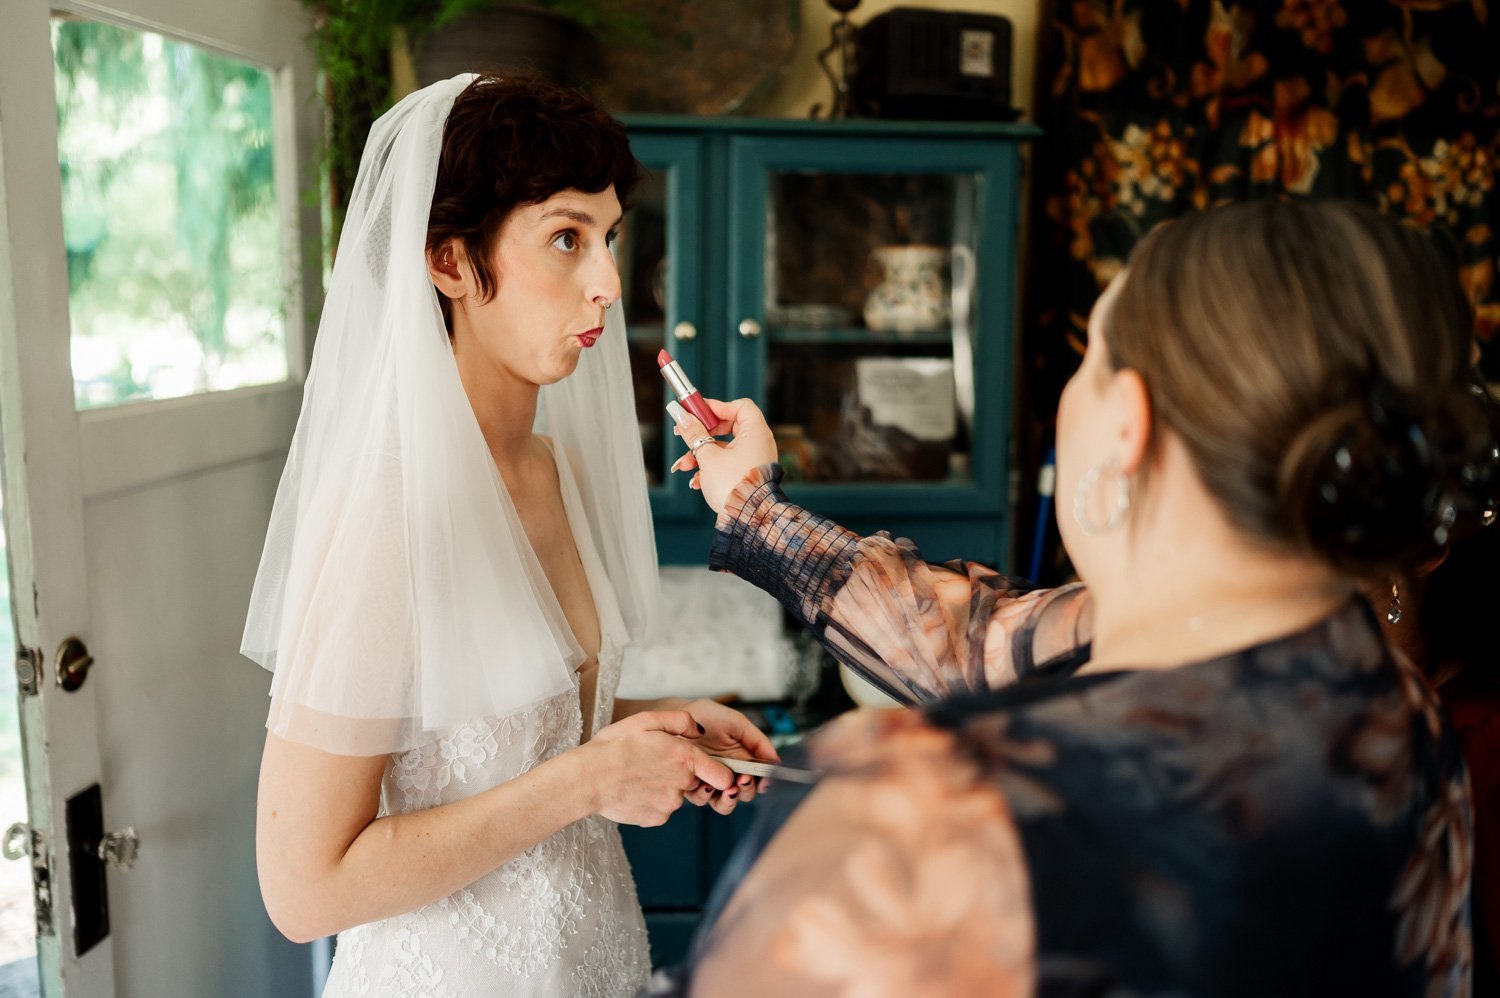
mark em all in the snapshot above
pixel 174 241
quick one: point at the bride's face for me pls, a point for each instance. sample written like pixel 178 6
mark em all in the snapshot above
pixel 554 274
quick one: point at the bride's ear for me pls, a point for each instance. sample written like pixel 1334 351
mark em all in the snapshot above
pixel 449 268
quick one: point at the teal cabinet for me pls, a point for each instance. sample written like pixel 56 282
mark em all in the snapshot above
pixel 858 280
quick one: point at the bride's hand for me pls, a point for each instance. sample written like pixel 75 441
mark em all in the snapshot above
pixel 727 732
pixel 642 767
pixel 723 465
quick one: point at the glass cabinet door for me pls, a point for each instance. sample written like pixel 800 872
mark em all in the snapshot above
pixel 659 277
pixel 870 310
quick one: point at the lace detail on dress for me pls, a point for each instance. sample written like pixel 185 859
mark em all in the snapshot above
pixel 426 771
pixel 350 973
pixel 559 919
pixel 607 961
pixel 417 975
pixel 545 913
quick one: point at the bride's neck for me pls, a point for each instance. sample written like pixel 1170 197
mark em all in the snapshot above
pixel 504 405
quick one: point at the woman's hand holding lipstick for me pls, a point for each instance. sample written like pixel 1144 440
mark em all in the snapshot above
pixel 721 465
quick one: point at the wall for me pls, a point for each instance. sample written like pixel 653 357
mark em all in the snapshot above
pixel 805 83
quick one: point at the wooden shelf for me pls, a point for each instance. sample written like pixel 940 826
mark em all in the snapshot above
pixel 859 335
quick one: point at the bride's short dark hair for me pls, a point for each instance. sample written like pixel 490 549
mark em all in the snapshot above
pixel 512 141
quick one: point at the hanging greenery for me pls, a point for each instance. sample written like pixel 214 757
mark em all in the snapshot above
pixel 354 41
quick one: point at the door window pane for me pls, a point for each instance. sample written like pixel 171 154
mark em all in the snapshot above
pixel 176 282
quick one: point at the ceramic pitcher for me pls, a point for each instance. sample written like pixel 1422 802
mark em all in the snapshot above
pixel 912 294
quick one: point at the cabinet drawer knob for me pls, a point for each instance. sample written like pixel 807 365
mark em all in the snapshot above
pixel 684 331
pixel 749 328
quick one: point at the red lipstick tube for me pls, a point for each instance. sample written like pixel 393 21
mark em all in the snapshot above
pixel 683 388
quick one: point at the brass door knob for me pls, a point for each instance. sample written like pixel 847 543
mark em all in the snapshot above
pixel 73 664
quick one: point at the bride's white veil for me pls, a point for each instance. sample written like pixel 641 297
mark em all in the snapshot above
pixel 397 593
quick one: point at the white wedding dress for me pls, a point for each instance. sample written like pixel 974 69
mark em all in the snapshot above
pixel 562 918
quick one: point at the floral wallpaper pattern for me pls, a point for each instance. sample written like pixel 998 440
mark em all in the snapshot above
pixel 1152 108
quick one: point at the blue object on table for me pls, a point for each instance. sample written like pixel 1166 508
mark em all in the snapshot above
pixel 779 721
pixel 1046 484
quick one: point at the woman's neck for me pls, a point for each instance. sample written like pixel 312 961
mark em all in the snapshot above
pixel 1202 615
pixel 504 404
pixel 1183 585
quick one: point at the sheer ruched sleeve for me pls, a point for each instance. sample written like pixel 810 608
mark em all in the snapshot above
pixel 918 631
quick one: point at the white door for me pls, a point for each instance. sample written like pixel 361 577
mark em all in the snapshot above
pixel 136 527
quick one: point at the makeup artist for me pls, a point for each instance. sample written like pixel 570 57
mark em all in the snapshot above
pixel 1199 771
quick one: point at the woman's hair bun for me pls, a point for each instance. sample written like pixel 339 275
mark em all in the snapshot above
pixel 1382 484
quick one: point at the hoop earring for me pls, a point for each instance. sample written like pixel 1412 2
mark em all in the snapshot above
pixel 1084 491
pixel 1393 612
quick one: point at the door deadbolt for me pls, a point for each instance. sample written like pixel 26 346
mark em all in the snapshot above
pixel 120 849
pixel 73 663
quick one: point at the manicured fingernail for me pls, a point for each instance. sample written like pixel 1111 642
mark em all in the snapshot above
pixel 677 412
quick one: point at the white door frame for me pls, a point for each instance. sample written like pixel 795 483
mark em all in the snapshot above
pixel 69 457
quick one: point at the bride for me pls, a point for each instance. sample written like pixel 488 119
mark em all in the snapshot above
pixel 459 552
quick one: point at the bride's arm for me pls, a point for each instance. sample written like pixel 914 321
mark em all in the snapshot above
pixel 327 862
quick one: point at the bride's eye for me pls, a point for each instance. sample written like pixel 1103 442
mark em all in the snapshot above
pixel 566 241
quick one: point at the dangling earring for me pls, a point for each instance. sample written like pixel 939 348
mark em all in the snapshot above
pixel 1393 612
pixel 1084 491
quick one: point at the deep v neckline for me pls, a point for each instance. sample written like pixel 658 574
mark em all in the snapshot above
pixel 606 613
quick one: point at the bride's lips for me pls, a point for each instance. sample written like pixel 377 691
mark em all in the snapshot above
pixel 592 336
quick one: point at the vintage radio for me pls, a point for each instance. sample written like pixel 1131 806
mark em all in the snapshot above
pixel 914 63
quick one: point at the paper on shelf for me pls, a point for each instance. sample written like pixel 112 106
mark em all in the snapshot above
pixel 913 394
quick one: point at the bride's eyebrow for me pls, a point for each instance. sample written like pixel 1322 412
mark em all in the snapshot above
pixel 581 217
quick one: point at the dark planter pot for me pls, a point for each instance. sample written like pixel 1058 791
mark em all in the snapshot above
pixel 508 39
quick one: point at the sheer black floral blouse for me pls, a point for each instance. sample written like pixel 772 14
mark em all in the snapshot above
pixel 1291 819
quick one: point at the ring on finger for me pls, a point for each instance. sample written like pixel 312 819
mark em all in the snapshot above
pixel 699 442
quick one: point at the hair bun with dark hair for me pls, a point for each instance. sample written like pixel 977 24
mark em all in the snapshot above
pixel 1379 486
